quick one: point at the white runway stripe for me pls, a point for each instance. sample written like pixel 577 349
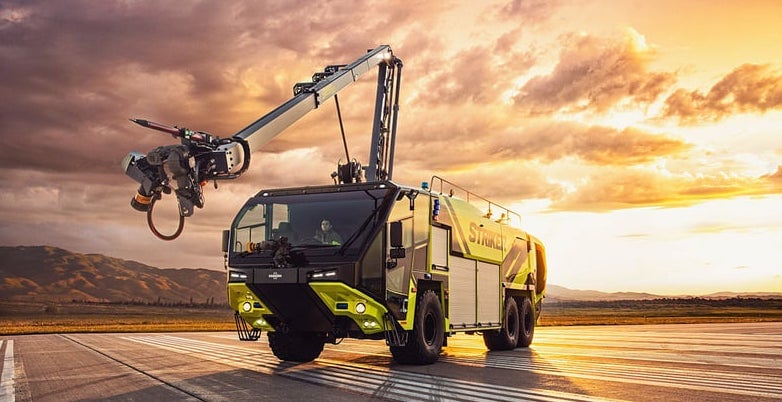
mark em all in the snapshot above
pixel 7 393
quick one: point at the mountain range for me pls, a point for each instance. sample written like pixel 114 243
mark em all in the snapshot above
pixel 44 273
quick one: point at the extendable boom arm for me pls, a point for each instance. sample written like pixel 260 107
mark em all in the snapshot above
pixel 310 95
pixel 201 157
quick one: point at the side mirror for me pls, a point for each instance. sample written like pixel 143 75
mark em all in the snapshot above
pixel 396 235
pixel 226 240
pixel 397 242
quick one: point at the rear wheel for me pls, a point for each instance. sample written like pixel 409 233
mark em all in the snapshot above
pixel 296 346
pixel 506 337
pixel 425 341
pixel 527 321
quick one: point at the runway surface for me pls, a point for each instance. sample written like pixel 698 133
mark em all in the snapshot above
pixel 700 362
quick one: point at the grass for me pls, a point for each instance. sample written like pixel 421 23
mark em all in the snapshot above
pixel 18 318
pixel 555 315
pixel 662 311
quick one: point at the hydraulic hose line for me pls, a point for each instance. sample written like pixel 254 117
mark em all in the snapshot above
pixel 154 229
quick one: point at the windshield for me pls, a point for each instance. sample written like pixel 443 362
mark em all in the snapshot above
pixel 337 222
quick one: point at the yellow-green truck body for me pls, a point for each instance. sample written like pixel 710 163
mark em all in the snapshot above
pixel 415 265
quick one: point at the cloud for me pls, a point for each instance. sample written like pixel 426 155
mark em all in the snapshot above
pixel 81 69
pixel 595 74
pixel 484 137
pixel 598 145
pixel 471 75
pixel 748 88
pixel 777 176
pixel 504 182
pixel 531 11
pixel 611 188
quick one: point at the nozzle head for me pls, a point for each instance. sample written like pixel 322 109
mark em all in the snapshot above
pixel 141 202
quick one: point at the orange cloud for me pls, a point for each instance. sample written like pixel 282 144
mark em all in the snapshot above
pixel 483 139
pixel 470 76
pixel 616 188
pixel 504 182
pixel 530 11
pixel 748 88
pixel 597 145
pixel 775 177
pixel 595 74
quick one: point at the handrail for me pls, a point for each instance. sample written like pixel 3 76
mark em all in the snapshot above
pixel 506 213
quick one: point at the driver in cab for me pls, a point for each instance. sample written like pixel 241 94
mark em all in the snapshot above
pixel 326 234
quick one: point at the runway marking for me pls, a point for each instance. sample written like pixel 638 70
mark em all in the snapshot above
pixel 661 357
pixel 7 393
pixel 706 379
pixel 131 367
pixel 356 377
pixel 630 372
pixel 721 346
pixel 712 381
pixel 766 351
pixel 704 370
pixel 708 363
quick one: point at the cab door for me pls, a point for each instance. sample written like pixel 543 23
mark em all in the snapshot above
pixel 398 268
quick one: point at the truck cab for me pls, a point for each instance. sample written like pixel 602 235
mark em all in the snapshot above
pixel 276 255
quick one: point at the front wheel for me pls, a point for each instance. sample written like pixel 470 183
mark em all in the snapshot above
pixel 425 341
pixel 296 346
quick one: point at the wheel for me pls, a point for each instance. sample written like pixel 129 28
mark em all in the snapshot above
pixel 507 337
pixel 425 341
pixel 527 321
pixel 296 346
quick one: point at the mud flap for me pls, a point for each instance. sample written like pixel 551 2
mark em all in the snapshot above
pixel 244 330
pixel 395 334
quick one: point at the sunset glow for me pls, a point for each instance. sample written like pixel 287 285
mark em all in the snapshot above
pixel 641 141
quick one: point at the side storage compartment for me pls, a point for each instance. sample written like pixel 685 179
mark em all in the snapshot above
pixel 462 293
pixel 488 288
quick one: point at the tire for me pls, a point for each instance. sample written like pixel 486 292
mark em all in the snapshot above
pixel 527 320
pixel 507 337
pixel 425 341
pixel 296 346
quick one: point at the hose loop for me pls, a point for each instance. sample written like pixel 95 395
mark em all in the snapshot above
pixel 154 229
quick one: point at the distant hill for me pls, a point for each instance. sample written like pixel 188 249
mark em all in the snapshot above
pixel 559 293
pixel 556 293
pixel 729 295
pixel 43 273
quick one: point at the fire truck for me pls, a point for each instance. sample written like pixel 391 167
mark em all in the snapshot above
pixel 365 257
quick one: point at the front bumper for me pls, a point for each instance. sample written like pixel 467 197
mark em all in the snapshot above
pixel 314 306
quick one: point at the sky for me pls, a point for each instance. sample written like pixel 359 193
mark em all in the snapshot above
pixel 641 141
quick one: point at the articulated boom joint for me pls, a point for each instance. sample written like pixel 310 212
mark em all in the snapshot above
pixel 184 168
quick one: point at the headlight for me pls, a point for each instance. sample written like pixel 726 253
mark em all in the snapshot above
pixel 324 274
pixel 247 306
pixel 361 308
pixel 237 276
pixel 370 324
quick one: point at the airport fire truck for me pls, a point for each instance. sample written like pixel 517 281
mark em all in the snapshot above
pixel 365 257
